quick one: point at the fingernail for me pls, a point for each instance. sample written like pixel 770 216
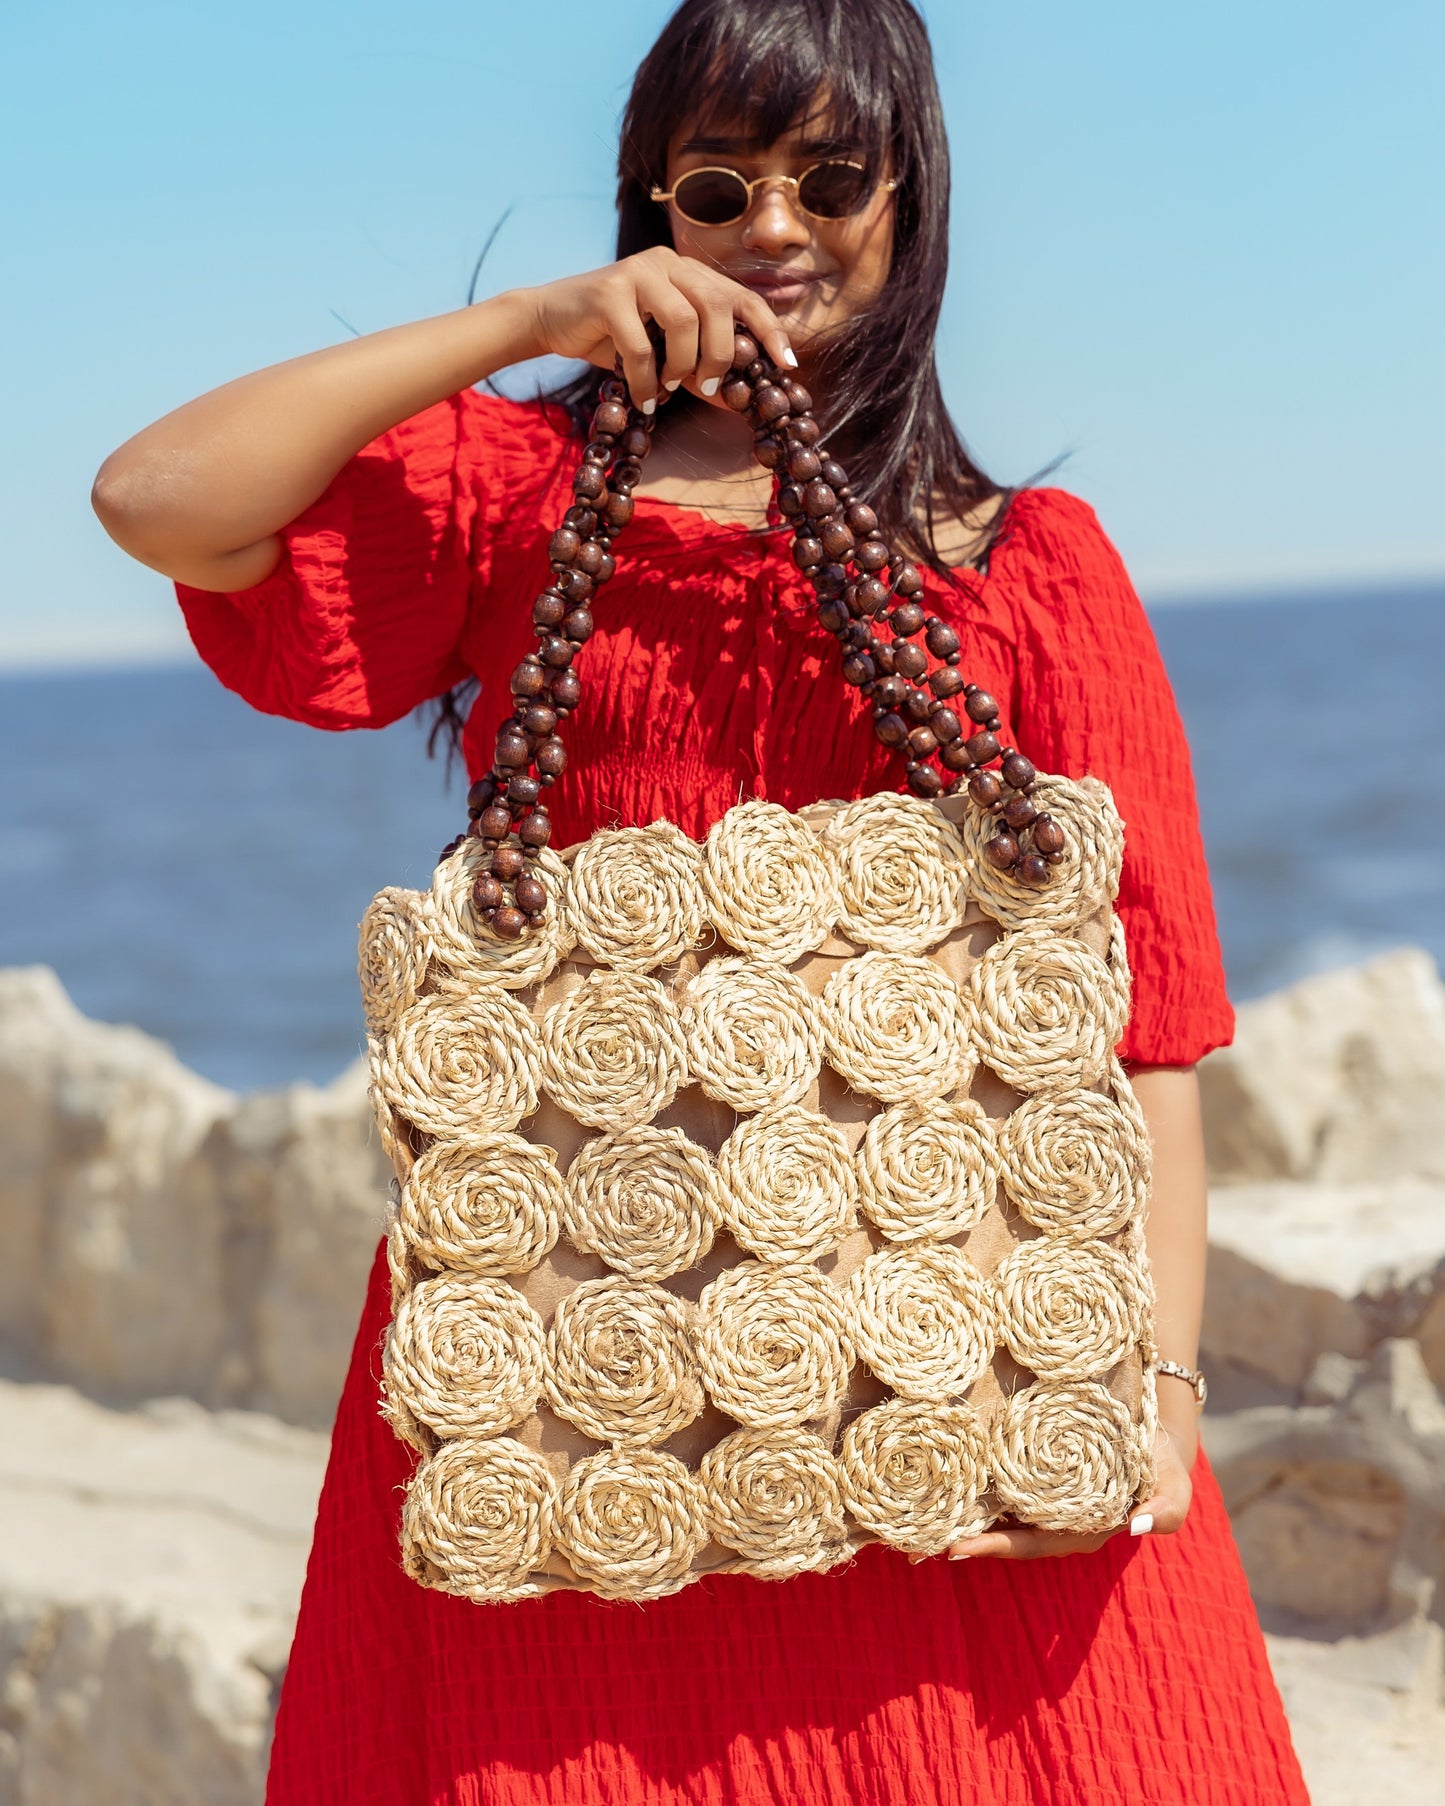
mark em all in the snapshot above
pixel 962 1555
pixel 710 387
pixel 676 383
pixel 1142 1524
pixel 650 406
pixel 790 357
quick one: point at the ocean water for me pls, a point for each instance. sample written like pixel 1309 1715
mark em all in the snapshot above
pixel 198 869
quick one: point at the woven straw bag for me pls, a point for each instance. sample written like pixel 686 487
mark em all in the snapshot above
pixel 770 1197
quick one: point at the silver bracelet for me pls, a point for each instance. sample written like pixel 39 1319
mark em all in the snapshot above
pixel 1194 1375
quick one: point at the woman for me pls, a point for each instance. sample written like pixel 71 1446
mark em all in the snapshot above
pixel 357 531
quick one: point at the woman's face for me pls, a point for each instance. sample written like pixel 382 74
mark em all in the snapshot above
pixel 814 273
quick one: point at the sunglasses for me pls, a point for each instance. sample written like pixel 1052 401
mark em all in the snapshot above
pixel 716 196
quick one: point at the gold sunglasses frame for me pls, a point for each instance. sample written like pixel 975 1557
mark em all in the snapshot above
pixel 794 182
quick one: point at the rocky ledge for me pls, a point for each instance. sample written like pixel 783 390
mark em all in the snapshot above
pixel 184 1268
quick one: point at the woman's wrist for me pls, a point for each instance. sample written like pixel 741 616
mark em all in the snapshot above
pixel 1179 1415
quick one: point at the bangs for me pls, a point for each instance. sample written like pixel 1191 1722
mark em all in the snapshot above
pixel 755 69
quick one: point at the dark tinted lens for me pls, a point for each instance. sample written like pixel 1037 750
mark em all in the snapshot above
pixel 712 197
pixel 833 190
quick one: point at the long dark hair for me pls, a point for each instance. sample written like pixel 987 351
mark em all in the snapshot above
pixel 761 66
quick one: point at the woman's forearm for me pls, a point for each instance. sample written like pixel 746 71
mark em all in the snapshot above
pixel 203 493
pixel 1176 1232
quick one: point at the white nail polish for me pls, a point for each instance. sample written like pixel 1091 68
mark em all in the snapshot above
pixel 710 387
pixel 650 406
pixel 1142 1524
pixel 676 383
pixel 790 357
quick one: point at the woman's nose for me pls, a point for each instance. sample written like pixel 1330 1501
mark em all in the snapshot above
pixel 776 223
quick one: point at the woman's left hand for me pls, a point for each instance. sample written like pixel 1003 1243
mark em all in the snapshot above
pixel 1166 1509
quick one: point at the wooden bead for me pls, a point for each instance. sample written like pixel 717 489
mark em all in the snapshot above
pixel 837 540
pixel 909 660
pixel 770 402
pixel 481 795
pixel 611 417
pixel 531 894
pixel 538 719
pixel 945 724
pixel 829 579
pixel 1018 812
pixel 1048 835
pixel 523 790
pixel 983 747
pixel 861 519
pixel 487 893
pixel 922 741
pixel 790 500
pixel 925 781
pixel 566 689
pixel 1001 852
pixel 944 682
pixel 606 568
pixel 507 862
pixel 858 669
pixel 745 350
pixel 589 558
pixel 803 464
pixel 612 389
pixel 980 706
pixel 807 552
pixel 636 442
pixel 548 609
pixel 511 747
pixel 917 705
pixel 891 729
pixel 626 472
pixel 1032 870
pixel 535 830
pixel 575 585
pixel 834 473
pixel 617 511
pixel 954 756
pixel 564 545
pixel 818 499
pixel 872 594
pixel 985 787
pixel 508 923
pixel 496 822
pixel 1018 771
pixel 589 482
pixel 941 639
pixel 737 394
pixel 871 555
pixel 891 691
pixel 906 580
pixel 580 518
pixel 833 614
pixel 557 652
pixel 552 757
pixel 799 400
pixel 577 625
pixel 906 619
pixel 805 431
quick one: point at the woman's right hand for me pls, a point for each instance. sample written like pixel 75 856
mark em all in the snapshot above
pixel 603 314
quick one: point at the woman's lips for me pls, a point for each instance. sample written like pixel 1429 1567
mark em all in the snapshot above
pixel 781 288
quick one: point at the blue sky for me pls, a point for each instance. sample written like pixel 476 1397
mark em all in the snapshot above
pixel 1199 249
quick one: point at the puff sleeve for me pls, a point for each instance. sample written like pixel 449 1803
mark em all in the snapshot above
pixel 1093 698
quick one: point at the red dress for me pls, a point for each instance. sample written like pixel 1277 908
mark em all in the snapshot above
pixel 1136 1674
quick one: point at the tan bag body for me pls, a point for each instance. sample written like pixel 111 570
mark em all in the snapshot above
pixel 780 1195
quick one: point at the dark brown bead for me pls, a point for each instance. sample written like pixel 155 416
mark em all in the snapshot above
pixel 924 780
pixel 523 790
pixel 834 473
pixel 578 625
pixel 507 862
pixel 981 706
pixel 872 594
pixel 954 756
pixel 756 370
pixel 745 350
pixel 922 741
pixel 983 747
pixel 737 394
pixel 768 451
pixel 548 609
pixel 945 682
pixel 606 569
pixel 871 555
pixel 837 540
pixel 862 519
pixel 858 669
pixel 985 787
pixel 496 822
pixel 531 894
pixel 589 482
pixel 803 464
pixel 917 705
pixel 829 579
pixel 598 451
pixel 1018 812
pixel 906 619
pixel 807 552
pixel 612 388
pixel 790 500
pixel 1033 870
pixel 883 658
pixel 557 652
pixel 611 417
pixel 626 473
pixel 941 639
pixel 833 614
pixel 508 923
pixel 564 545
pixel 856 635
pixel 805 431
pixel 481 794
pixel 799 400
pixel 909 660
pixel 906 580
pixel 945 724
pixel 770 402
pixel 511 747
pixel 818 499
pixel 636 442
pixel 891 729
pixel 589 558
pixel 1001 852
pixel 1018 771
pixel 535 830
pixel 617 511
pixel 539 719
pixel 1048 835
pixel 487 893
pixel 575 585
pixel 579 518
pixel 891 691
pixel 552 757
pixel 566 688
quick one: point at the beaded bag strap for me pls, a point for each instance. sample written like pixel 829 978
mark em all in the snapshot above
pixel 869 599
